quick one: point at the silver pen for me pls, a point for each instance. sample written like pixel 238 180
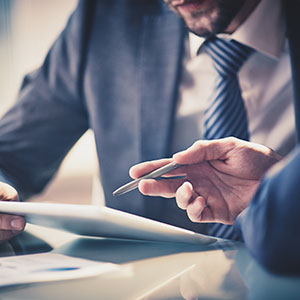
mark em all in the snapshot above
pixel 154 174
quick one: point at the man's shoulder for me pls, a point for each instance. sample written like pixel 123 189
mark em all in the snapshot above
pixel 119 7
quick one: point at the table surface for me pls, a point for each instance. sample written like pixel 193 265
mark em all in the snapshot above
pixel 223 270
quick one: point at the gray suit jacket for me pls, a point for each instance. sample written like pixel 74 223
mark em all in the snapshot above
pixel 115 69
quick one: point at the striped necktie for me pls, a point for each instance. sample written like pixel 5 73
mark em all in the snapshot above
pixel 226 113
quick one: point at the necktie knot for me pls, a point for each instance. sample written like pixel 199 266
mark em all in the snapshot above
pixel 228 55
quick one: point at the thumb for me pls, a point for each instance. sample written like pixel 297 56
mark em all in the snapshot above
pixel 204 150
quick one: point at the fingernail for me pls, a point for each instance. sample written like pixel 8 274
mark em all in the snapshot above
pixel 17 223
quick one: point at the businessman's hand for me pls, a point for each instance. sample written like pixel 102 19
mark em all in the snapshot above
pixel 10 225
pixel 221 178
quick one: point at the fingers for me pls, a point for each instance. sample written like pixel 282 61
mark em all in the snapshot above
pixel 6 235
pixel 184 194
pixel 164 188
pixel 195 209
pixel 11 222
pixel 10 225
pixel 147 167
pixel 188 200
pixel 7 192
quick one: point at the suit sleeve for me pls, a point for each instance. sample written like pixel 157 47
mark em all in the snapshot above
pixel 271 224
pixel 49 115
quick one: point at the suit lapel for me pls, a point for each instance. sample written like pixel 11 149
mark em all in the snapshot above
pixel 293 25
pixel 160 64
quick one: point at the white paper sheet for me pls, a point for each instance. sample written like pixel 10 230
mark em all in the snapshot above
pixel 42 267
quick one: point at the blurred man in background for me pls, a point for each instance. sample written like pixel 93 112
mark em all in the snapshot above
pixel 149 82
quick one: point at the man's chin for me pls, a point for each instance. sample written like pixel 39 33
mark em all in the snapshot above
pixel 206 17
pixel 200 22
pixel 204 34
pixel 200 30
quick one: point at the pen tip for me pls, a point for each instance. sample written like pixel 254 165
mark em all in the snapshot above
pixel 118 192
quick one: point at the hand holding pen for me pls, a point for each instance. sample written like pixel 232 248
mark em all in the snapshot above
pixel 221 177
pixel 152 175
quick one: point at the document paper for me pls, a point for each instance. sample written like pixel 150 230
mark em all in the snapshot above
pixel 43 267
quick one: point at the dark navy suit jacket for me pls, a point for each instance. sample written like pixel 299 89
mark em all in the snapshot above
pixel 271 224
pixel 115 69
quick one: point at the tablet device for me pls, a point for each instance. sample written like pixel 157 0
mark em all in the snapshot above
pixel 102 221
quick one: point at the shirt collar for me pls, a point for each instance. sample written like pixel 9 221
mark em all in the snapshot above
pixel 264 34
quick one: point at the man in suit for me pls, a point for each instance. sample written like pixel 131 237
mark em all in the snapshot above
pixel 226 183
pixel 132 72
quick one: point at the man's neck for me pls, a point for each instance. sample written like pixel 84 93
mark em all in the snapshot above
pixel 242 15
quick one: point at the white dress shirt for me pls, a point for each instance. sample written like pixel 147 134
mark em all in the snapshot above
pixel 265 80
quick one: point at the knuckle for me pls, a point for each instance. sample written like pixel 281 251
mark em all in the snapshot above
pixel 232 140
pixel 192 214
pixel 197 144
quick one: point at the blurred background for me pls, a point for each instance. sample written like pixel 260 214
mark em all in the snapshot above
pixel 27 30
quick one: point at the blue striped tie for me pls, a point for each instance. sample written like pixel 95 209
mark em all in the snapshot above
pixel 226 113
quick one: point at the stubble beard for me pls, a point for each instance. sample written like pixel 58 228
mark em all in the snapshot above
pixel 214 20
